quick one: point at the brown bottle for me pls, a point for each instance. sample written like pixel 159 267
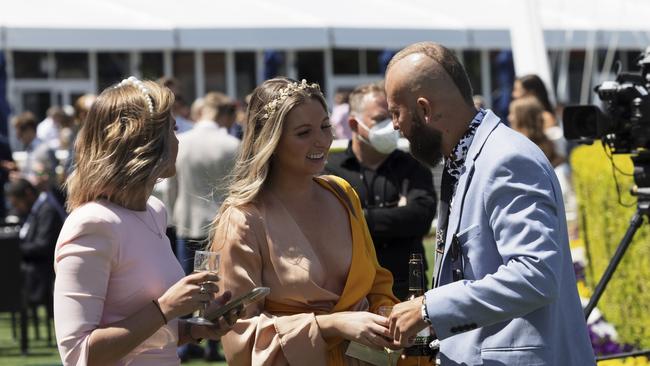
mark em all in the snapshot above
pixel 416 289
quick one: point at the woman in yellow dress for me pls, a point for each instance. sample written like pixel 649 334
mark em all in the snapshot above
pixel 282 226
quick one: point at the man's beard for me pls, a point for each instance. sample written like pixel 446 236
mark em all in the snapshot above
pixel 426 143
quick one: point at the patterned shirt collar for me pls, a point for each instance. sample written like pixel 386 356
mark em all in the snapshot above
pixel 455 164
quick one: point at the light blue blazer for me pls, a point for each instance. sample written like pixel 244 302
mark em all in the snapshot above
pixel 518 303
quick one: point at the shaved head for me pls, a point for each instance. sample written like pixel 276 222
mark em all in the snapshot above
pixel 429 98
pixel 417 75
pixel 431 65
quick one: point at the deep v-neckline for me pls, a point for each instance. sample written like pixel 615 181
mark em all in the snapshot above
pixel 357 246
pixel 294 223
pixel 308 249
pixel 358 269
pixel 325 185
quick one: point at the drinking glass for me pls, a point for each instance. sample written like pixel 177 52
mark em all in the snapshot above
pixel 204 261
pixel 385 311
pixel 392 356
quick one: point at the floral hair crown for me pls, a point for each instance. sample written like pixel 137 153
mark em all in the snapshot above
pixel 132 80
pixel 271 107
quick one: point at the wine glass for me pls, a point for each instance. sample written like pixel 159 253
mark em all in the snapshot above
pixel 385 311
pixel 393 356
pixel 204 261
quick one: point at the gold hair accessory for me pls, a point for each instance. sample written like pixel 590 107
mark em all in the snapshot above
pixel 272 106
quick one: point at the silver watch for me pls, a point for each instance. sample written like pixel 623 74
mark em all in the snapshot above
pixel 423 312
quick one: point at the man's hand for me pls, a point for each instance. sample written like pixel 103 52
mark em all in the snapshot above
pixel 406 321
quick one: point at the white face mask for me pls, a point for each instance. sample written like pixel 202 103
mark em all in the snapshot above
pixel 382 136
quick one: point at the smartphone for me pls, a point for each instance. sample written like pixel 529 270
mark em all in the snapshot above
pixel 255 295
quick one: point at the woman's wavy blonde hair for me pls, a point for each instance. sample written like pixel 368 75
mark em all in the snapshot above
pixel 270 103
pixel 122 148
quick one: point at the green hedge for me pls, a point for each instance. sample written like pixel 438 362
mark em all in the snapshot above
pixel 603 222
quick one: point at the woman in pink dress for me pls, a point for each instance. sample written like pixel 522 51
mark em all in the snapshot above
pixel 119 290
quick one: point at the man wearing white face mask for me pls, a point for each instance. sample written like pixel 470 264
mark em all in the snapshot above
pixel 396 191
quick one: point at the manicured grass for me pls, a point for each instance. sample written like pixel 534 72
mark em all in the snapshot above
pixel 40 354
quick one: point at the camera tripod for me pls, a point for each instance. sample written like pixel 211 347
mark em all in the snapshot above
pixel 642 192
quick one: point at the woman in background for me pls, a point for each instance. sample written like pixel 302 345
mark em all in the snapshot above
pixel 533 86
pixel 526 117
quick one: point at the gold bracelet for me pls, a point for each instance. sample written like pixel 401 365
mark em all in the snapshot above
pixel 155 302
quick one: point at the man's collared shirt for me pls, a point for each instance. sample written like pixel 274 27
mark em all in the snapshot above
pixel 455 163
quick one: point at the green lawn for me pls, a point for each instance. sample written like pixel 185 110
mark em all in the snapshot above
pixel 40 354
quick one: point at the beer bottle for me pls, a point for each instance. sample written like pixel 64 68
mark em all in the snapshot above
pixel 420 347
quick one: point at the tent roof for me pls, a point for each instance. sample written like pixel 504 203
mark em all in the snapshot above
pixel 257 24
pixel 78 24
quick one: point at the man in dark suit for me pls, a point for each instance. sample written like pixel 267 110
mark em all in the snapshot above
pixel 38 234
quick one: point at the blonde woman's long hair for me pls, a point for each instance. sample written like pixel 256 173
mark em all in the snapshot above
pixel 261 137
pixel 121 148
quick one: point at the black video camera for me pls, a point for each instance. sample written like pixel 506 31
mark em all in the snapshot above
pixel 625 123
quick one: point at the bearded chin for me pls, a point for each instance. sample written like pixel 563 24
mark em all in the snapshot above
pixel 426 143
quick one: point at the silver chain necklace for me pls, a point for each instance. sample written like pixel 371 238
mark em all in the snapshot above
pixel 157 232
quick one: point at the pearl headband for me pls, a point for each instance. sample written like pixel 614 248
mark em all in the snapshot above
pixel 132 80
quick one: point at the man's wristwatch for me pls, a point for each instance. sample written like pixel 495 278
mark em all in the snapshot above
pixel 423 311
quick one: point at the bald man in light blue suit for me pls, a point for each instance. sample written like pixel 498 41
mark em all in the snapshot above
pixel 505 291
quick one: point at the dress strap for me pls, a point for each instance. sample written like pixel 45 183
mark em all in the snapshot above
pixel 340 192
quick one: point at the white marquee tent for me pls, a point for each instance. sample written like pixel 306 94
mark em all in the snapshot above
pixel 528 27
pixel 254 24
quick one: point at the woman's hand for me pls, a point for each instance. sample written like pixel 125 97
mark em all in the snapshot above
pixel 186 295
pixel 359 326
pixel 223 323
